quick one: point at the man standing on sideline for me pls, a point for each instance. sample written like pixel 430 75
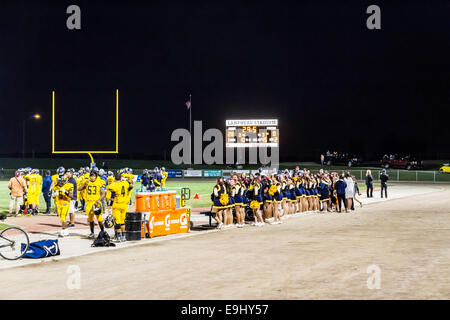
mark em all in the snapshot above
pixel 46 184
pixel 369 184
pixel 383 179
pixel 322 159
pixel 18 188
pixel 340 186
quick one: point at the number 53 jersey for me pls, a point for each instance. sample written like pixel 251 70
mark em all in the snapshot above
pixel 93 189
pixel 120 190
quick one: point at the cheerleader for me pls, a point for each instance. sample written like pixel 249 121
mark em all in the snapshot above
pixel 220 201
pixel 275 189
pixel 228 213
pixel 316 197
pixel 304 192
pixel 285 197
pixel 238 195
pixel 298 193
pixel 324 185
pixel 256 202
pixel 308 193
pixel 267 199
pixel 292 197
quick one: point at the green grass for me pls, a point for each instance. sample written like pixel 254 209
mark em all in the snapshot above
pixel 3 226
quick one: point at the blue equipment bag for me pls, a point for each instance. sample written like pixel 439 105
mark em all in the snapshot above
pixel 42 249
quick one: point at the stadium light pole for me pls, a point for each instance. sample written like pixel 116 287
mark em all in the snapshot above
pixel 36 116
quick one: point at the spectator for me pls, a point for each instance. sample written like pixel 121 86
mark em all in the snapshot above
pixel 340 187
pixel 18 188
pixel 384 177
pixel 369 184
pixel 322 159
pixel 349 191
pixel 46 184
pixel 356 193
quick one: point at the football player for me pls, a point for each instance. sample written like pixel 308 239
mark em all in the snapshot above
pixel 164 176
pixel 63 194
pixel 95 192
pixel 120 190
pixel 34 190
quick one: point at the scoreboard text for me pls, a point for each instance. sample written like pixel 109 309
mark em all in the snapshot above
pixel 252 133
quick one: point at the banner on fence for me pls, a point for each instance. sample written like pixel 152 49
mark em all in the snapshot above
pixel 175 173
pixel 227 173
pixel 192 173
pixel 212 173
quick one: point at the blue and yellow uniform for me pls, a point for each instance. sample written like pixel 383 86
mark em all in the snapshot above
pixel 268 196
pixel 324 188
pixel 278 194
pixel 238 194
pixel 292 195
pixel 221 199
pixel 298 190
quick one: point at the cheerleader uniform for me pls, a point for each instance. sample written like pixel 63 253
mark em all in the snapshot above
pixel 285 191
pixel 307 189
pixel 298 191
pixel 315 193
pixel 257 192
pixel 292 195
pixel 324 191
pixel 238 198
pixel 244 195
pixel 278 194
pixel 218 191
pixel 267 197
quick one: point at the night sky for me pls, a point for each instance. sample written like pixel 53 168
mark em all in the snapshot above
pixel 331 82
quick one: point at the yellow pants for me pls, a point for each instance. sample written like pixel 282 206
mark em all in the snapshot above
pixel 119 212
pixel 90 212
pixel 63 210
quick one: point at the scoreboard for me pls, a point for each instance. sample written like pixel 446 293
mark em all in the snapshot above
pixel 251 133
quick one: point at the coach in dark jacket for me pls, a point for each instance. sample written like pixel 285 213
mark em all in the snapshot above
pixel 340 186
pixel 46 183
pixel 369 184
pixel 383 179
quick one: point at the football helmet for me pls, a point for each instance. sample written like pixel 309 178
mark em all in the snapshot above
pixel 97 209
pixel 109 221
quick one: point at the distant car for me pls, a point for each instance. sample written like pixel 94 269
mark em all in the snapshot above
pixel 407 163
pixel 343 160
pixel 445 168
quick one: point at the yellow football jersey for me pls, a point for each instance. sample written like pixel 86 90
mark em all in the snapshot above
pixel 128 176
pixel 110 179
pixel 93 189
pixel 33 183
pixel 62 198
pixel 120 189
pixel 55 178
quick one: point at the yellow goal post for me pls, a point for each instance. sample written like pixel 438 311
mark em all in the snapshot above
pixel 88 152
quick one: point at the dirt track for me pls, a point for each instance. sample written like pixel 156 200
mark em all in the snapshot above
pixel 318 256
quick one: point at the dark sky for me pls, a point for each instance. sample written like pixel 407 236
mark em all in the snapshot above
pixel 330 81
